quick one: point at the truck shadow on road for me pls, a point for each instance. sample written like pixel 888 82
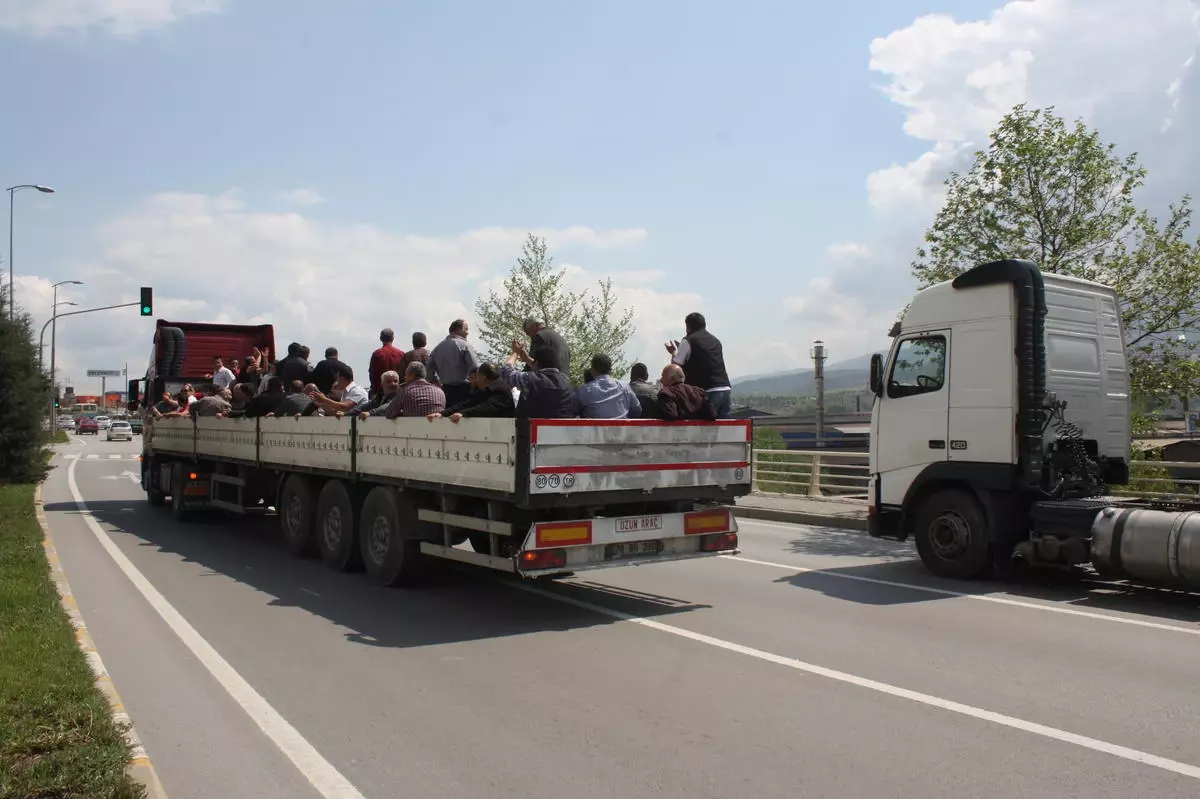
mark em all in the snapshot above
pixel 450 604
pixel 904 581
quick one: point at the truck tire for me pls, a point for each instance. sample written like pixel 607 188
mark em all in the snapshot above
pixel 297 506
pixel 952 537
pixel 337 531
pixel 389 557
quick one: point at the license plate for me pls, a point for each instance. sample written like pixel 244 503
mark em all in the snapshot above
pixel 636 524
pixel 632 549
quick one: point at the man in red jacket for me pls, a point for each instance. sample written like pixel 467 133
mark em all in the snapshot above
pixel 385 359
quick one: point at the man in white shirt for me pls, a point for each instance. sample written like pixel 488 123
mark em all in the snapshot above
pixel 221 376
pixel 351 393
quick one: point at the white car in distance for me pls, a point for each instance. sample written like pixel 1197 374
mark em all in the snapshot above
pixel 120 431
pixel 103 422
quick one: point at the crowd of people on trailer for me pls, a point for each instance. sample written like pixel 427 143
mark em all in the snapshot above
pixel 450 382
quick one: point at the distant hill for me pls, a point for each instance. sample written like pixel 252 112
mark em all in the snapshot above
pixel 853 373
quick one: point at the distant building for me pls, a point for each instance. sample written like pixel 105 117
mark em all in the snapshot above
pixel 748 413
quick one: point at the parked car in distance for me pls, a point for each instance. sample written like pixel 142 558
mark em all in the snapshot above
pixel 103 421
pixel 135 422
pixel 66 423
pixel 120 431
pixel 89 426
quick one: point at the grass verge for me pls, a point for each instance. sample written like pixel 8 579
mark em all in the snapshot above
pixel 59 437
pixel 57 735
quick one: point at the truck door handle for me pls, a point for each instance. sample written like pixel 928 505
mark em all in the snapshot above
pixel 937 443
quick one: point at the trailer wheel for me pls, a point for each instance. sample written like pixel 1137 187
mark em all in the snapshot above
pixel 296 510
pixel 179 511
pixel 388 556
pixel 154 496
pixel 337 533
pixel 952 537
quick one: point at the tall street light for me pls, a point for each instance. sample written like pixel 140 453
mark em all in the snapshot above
pixel 12 286
pixel 54 326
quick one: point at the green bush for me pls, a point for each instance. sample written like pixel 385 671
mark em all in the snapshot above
pixel 26 394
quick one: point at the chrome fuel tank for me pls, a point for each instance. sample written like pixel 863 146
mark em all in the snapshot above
pixel 1155 546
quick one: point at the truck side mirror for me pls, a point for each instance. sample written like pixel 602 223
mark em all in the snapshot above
pixel 131 398
pixel 877 374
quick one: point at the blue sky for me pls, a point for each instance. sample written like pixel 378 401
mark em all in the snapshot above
pixel 739 137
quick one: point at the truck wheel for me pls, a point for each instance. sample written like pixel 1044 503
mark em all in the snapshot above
pixel 296 510
pixel 155 497
pixel 952 537
pixel 337 534
pixel 388 556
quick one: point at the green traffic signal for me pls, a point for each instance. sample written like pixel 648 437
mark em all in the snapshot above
pixel 147 301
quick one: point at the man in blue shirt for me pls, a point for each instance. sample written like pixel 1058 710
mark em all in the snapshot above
pixel 604 397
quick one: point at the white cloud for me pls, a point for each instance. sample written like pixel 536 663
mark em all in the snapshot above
pixel 955 80
pixel 1125 72
pixel 302 197
pixel 118 17
pixel 211 258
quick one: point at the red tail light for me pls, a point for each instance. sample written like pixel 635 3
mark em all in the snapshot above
pixel 537 559
pixel 719 543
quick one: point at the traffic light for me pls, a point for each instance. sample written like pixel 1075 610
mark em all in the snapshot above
pixel 147 301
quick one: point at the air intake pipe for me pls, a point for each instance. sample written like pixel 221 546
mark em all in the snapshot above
pixel 1030 291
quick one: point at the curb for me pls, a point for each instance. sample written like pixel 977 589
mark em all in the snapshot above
pixel 799 517
pixel 140 766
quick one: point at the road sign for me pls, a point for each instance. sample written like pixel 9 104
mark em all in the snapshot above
pixel 104 373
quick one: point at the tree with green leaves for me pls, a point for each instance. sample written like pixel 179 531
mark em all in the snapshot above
pixel 589 320
pixel 26 397
pixel 1059 196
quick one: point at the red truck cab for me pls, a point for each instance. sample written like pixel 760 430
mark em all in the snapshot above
pixel 183 353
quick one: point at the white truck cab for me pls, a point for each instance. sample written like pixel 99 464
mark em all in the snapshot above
pixel 1003 388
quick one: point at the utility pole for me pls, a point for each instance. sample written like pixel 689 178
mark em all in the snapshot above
pixel 818 356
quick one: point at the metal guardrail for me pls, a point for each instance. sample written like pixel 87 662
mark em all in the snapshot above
pixel 845 476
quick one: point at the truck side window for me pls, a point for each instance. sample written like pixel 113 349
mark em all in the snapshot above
pixel 919 367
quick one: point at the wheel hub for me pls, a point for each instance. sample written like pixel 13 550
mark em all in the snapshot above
pixel 949 534
pixel 381 538
pixel 333 528
pixel 295 513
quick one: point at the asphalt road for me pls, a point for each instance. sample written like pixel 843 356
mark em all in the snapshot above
pixel 818 664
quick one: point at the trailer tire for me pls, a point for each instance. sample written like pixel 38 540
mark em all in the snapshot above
pixel 389 557
pixel 178 511
pixel 297 503
pixel 336 528
pixel 951 535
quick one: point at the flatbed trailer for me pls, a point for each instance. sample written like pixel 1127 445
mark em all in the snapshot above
pixel 536 498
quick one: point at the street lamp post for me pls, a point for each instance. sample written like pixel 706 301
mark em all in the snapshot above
pixel 12 286
pixel 54 327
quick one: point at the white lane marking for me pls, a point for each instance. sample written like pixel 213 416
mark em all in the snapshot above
pixel 115 457
pixel 998 600
pixel 1104 747
pixel 322 774
pixel 92 457
pixel 71 456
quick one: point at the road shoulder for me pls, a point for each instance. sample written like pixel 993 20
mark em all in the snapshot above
pixel 141 768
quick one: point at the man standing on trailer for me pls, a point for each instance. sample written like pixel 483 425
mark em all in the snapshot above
pixel 703 359
pixel 451 363
pixel 385 359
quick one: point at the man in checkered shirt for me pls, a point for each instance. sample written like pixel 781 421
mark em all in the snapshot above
pixel 417 397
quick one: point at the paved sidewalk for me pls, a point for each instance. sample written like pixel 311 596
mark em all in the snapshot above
pixel 795 509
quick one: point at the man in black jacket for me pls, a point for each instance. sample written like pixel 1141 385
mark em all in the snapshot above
pixel 703 359
pixel 490 398
pixel 294 367
pixel 325 372
pixel 546 346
